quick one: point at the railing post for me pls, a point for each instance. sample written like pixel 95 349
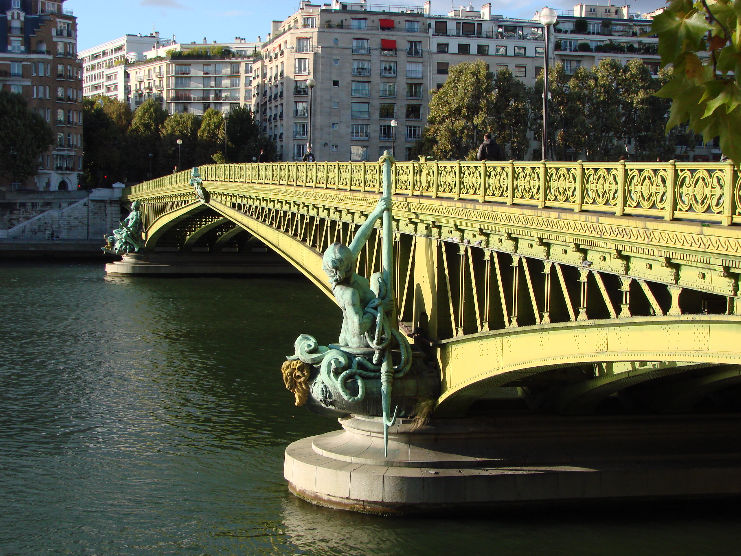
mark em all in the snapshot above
pixel 728 194
pixel 483 181
pixel 511 183
pixel 436 180
pixel 671 180
pixel 621 181
pixel 543 182
pixel 362 182
pixel 458 180
pixel 579 186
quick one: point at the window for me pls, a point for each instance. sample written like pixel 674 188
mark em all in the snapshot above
pixel 360 89
pixel 60 93
pixel 17 89
pixel 414 112
pixel 60 139
pixel 414 90
pixel 41 68
pixel 385 132
pixel 60 49
pixel 357 23
pixel 468 28
pixel 414 70
pixel 361 67
pixel 335 126
pixel 414 48
pixel 442 68
pixel 412 26
pixel 501 67
pixel 358 153
pixel 300 108
pixel 303 45
pixel 414 132
pixel 182 70
pixel 234 82
pixel 388 69
pixel 335 61
pixel 309 22
pixel 540 51
pixel 520 71
pixel 335 104
pixel 442 47
pixel 482 49
pixel 519 51
pixel 182 82
pixel 300 130
pixel 16 4
pixel 387 111
pixel 464 48
pixel 441 28
pixel 501 50
pixel 360 46
pixel 388 90
pixel 16 69
pixel 299 150
pixel 360 110
pixel 359 131
pixel 60 70
pixel 16 46
pixel 302 66
pixel 570 66
pixel 334 148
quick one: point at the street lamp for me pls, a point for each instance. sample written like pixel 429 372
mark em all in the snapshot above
pixel 179 142
pixel 310 82
pixel 394 123
pixel 150 165
pixel 548 18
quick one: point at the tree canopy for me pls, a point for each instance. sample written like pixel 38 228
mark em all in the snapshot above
pixel 703 88
pixel 24 137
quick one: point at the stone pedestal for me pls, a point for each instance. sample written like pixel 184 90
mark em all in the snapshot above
pixel 519 460
pixel 159 264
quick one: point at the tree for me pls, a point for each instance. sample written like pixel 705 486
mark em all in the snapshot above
pixel 704 91
pixel 24 137
pixel 244 138
pixel 183 126
pixel 460 113
pixel 210 138
pixel 105 123
pixel 511 111
pixel 143 139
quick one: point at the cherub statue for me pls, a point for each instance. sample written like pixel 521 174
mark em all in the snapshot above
pixel 128 236
pixel 358 298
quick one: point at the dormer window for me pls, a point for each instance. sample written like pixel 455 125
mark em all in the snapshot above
pixel 16 4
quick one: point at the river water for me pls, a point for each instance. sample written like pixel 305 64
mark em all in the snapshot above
pixel 148 416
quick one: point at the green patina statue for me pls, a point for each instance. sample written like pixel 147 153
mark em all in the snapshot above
pixel 128 237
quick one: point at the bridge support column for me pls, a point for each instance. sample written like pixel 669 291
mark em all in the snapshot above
pixel 453 465
pixel 426 252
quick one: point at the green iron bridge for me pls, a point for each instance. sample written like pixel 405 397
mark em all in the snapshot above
pixel 569 287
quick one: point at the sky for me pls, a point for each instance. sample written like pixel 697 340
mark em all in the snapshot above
pixel 223 20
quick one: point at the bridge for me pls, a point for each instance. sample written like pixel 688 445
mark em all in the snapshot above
pixel 541 288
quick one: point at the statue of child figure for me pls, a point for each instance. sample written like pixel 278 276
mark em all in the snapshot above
pixel 355 294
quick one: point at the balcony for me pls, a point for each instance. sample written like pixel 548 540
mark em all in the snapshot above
pixel 300 91
pixel 362 50
pixel 299 135
pixel 300 113
pixel 361 72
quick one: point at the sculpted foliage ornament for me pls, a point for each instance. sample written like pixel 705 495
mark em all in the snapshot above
pixel 704 88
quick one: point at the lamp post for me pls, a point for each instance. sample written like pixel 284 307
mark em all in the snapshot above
pixel 150 165
pixel 548 18
pixel 179 142
pixel 394 123
pixel 310 82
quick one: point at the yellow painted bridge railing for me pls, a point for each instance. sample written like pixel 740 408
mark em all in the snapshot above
pixel 671 190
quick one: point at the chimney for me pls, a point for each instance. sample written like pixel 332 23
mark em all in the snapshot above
pixel 486 11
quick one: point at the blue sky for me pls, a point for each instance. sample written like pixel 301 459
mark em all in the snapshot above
pixel 222 20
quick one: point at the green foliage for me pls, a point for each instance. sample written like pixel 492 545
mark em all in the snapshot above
pixel 510 114
pixel 184 127
pixel 703 88
pixel 210 137
pixel 202 53
pixel 460 112
pixel 105 122
pixel 24 137
pixel 244 139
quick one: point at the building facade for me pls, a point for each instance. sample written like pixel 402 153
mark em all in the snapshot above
pixel 38 60
pixel 104 70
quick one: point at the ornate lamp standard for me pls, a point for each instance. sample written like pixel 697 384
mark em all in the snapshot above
pixel 394 123
pixel 310 82
pixel 548 18
pixel 179 142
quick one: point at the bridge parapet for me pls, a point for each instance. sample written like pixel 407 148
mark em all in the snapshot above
pixel 706 192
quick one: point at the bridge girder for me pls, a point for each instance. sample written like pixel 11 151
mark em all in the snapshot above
pixel 473 279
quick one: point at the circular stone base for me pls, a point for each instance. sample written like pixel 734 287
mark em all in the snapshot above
pixel 468 464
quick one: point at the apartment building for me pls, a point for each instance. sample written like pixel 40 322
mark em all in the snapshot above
pixel 104 67
pixel 195 77
pixel 38 60
pixel 358 77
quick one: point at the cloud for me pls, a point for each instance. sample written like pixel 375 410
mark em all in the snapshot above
pixel 163 4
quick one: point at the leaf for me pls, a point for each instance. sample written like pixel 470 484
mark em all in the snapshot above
pixel 679 32
pixel 721 93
